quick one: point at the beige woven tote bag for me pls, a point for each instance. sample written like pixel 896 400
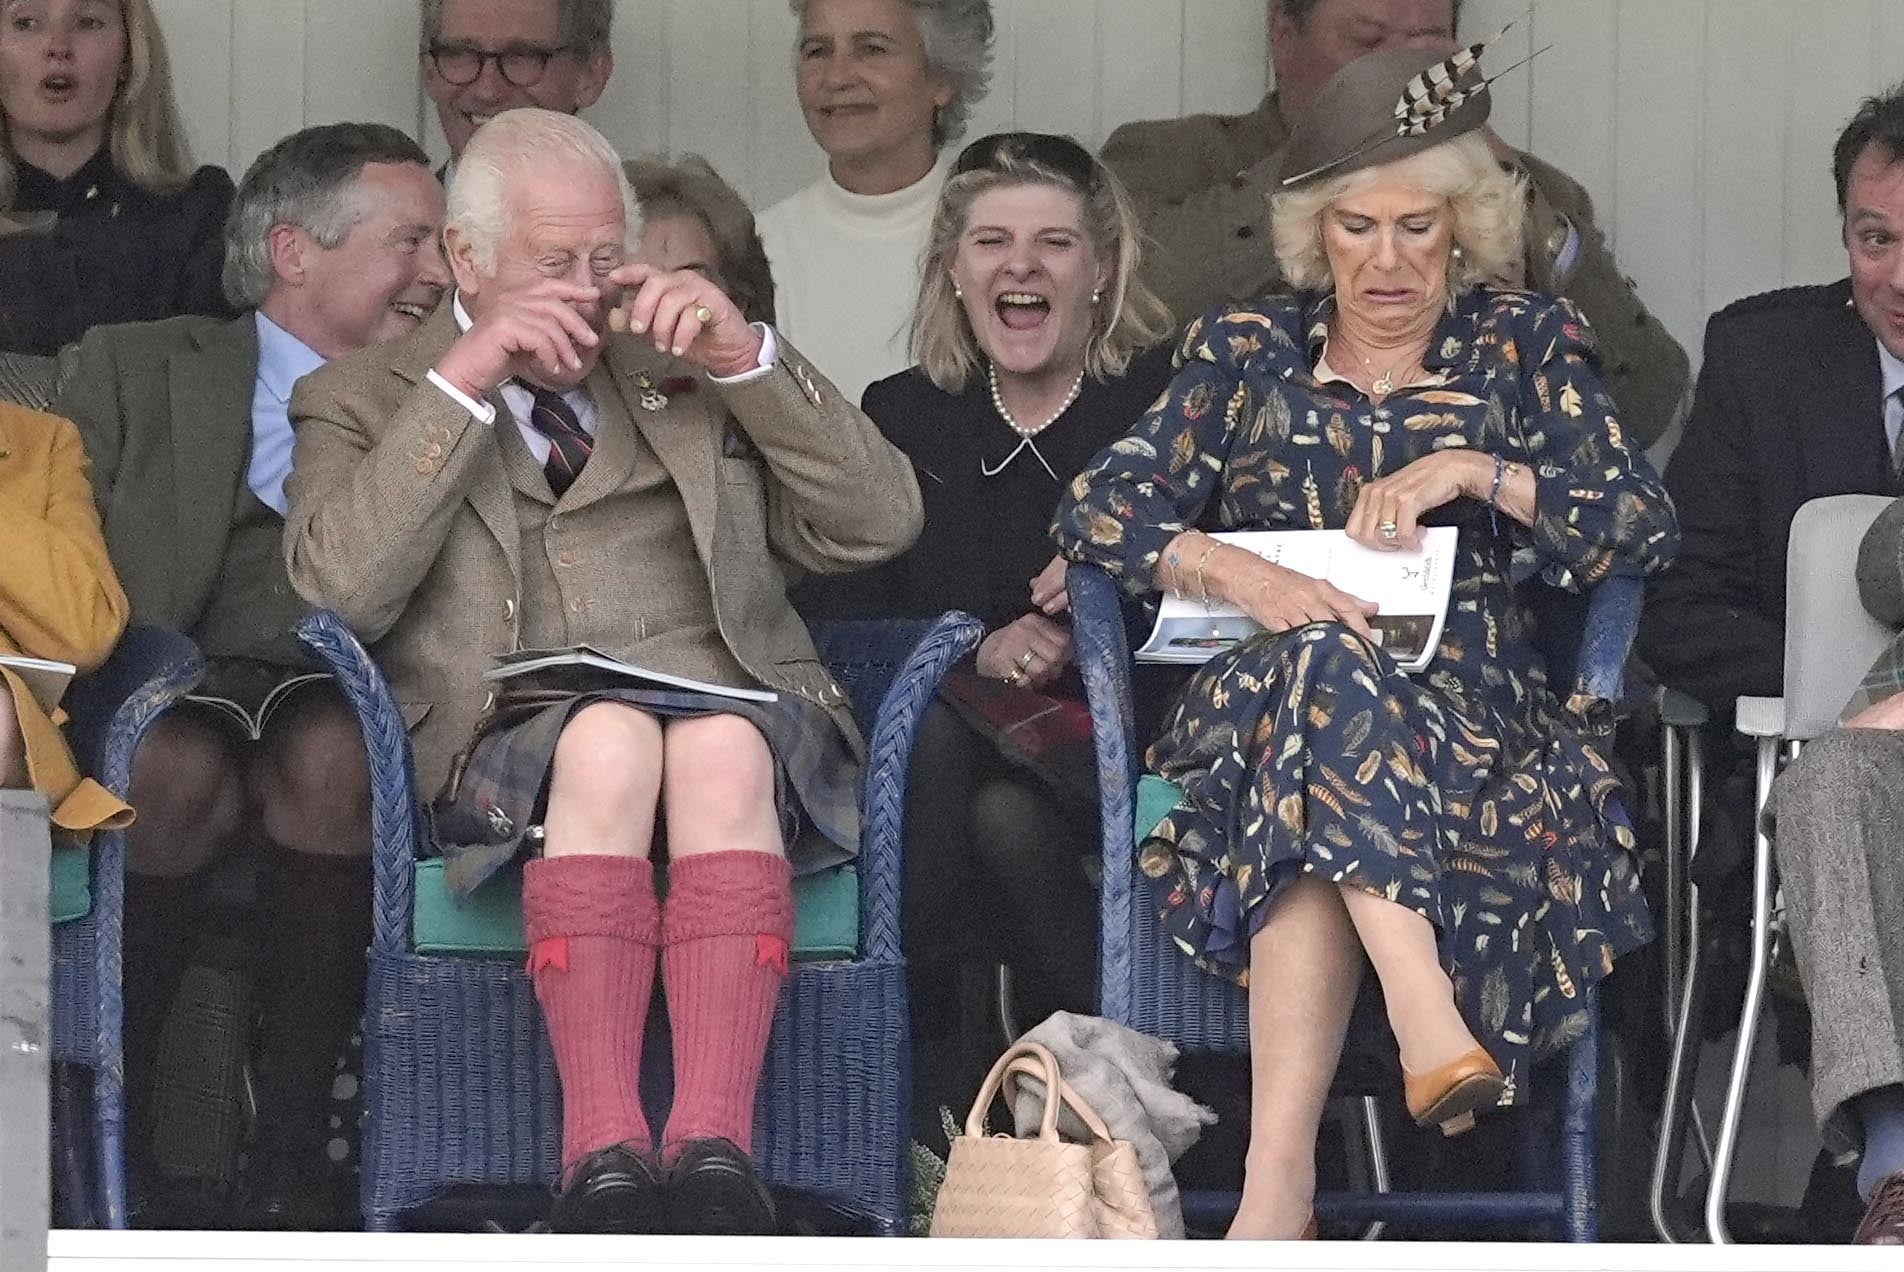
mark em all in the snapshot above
pixel 998 1186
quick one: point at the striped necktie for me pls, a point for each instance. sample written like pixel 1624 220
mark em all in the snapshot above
pixel 569 443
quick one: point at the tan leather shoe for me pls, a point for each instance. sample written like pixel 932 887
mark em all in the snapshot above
pixel 1883 1222
pixel 1448 1096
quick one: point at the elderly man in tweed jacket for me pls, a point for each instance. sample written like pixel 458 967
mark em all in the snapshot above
pixel 517 474
pixel 1203 183
pixel 1839 817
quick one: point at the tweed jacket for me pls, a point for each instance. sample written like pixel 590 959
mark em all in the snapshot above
pixel 1881 588
pixel 58 596
pixel 165 411
pixel 1202 186
pixel 1789 409
pixel 403 519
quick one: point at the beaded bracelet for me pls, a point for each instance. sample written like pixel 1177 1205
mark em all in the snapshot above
pixel 1503 471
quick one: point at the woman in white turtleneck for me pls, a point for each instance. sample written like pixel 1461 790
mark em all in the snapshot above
pixel 885 85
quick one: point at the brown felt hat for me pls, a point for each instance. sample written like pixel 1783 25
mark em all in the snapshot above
pixel 1352 124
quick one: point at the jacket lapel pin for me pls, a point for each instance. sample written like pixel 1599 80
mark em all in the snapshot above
pixel 652 398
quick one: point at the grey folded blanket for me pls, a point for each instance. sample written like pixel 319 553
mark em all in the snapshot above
pixel 1125 1076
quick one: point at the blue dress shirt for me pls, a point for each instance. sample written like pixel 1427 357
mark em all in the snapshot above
pixel 283 360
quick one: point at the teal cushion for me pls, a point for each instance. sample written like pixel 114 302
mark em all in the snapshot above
pixel 71 883
pixel 825 907
pixel 1155 798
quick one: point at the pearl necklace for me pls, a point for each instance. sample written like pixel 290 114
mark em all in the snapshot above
pixel 1025 435
pixel 998 404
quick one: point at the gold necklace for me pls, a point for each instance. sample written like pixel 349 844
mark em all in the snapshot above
pixel 1385 383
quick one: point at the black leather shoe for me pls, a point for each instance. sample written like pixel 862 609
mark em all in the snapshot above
pixel 613 1192
pixel 714 1191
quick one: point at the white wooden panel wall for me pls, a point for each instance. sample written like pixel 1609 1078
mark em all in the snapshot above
pixel 1702 128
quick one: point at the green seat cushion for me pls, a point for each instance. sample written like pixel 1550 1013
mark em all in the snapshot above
pixel 1156 796
pixel 71 884
pixel 825 907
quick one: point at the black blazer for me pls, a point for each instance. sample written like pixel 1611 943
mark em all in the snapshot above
pixel 1788 409
pixel 114 253
pixel 985 538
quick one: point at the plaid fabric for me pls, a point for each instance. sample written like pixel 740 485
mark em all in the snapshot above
pixel 1046 734
pixel 1885 678
pixel 495 800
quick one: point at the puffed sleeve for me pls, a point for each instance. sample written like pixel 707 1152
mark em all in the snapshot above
pixel 1149 486
pixel 204 206
pixel 1599 504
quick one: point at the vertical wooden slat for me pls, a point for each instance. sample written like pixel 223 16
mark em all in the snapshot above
pixel 1055 79
pixel 268 45
pixel 708 92
pixel 1139 70
pixel 997 111
pixel 198 38
pixel 377 40
pixel 1225 55
pixel 1744 161
pixel 1513 93
pixel 633 110
pixel 1575 87
pixel 1827 68
pixel 1887 46
pixel 1661 108
pixel 785 154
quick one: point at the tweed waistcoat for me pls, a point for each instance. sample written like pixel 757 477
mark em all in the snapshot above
pixel 252 608
pixel 660 613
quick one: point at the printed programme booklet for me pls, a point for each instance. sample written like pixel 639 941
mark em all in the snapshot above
pixel 587 658
pixel 45 679
pixel 1409 587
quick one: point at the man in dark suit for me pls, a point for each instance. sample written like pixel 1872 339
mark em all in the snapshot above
pixel 1203 183
pixel 1797 399
pixel 1839 808
pixel 481 58
pixel 332 245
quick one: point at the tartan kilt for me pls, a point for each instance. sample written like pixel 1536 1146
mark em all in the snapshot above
pixel 491 810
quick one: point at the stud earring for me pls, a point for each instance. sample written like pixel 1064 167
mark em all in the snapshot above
pixel 958 292
pixel 1097 296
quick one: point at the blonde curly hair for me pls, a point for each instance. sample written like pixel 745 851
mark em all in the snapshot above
pixel 1487 201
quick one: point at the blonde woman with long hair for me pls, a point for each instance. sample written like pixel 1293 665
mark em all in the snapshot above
pixel 116 226
pixel 1035 346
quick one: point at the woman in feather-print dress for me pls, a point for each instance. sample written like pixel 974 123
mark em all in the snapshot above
pixel 1319 783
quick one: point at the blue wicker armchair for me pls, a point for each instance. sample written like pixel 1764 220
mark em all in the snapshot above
pixel 111 709
pixel 460 1082
pixel 1144 982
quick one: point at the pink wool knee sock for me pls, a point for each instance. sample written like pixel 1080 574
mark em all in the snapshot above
pixel 725 933
pixel 593 928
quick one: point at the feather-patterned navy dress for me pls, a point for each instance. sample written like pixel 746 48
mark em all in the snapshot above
pixel 1469 792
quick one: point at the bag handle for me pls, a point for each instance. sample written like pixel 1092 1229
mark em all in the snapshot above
pixel 1034 1059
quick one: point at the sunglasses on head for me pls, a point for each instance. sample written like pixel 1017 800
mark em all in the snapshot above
pixel 1048 150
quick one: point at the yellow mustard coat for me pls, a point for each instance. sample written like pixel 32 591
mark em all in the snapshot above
pixel 59 598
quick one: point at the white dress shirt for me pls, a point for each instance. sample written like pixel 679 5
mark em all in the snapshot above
pixel 520 401
pixel 1891 372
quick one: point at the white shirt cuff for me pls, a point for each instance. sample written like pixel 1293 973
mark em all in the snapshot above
pixel 1569 255
pixel 483 411
pixel 769 358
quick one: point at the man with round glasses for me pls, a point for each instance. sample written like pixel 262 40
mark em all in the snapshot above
pixel 482 57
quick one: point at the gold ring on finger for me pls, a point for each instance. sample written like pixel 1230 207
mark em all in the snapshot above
pixel 1024 660
pixel 703 315
pixel 1389 529
pixel 1016 676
